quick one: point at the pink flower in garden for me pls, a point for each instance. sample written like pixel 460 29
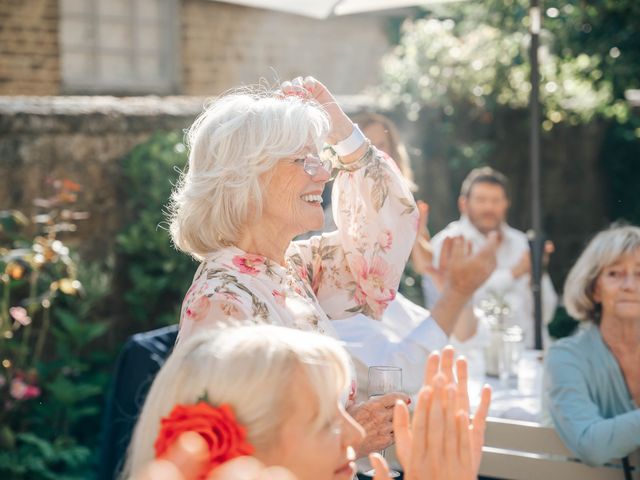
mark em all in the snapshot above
pixel 199 308
pixel 20 315
pixel 372 280
pixel 20 390
pixel 279 297
pixel 248 263
pixel 385 240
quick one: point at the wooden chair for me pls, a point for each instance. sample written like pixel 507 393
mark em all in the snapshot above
pixel 529 451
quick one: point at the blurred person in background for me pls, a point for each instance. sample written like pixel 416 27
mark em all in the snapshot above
pixel 484 204
pixel 592 379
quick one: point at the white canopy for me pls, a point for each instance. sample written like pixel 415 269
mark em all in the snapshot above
pixel 327 8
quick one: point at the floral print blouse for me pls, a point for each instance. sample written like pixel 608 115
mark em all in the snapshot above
pixel 355 269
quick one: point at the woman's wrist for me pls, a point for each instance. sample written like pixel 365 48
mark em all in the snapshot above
pixel 358 159
pixel 353 146
pixel 341 128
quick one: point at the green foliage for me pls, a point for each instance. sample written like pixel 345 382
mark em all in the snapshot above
pixel 469 65
pixel 154 273
pixel 51 375
pixel 622 166
pixel 36 458
pixel 463 70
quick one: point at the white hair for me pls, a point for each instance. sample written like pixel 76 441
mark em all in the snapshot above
pixel 233 143
pixel 603 250
pixel 250 368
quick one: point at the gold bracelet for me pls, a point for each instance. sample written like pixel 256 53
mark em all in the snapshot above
pixel 363 161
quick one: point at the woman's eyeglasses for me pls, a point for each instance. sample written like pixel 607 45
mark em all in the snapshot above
pixel 312 163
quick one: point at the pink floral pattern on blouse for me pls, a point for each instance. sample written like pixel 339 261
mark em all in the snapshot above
pixel 249 263
pixel 355 269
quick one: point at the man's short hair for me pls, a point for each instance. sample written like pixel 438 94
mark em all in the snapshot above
pixel 484 175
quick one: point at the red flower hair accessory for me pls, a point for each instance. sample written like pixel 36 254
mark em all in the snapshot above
pixel 217 425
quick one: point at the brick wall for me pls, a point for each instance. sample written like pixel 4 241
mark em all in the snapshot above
pixel 83 139
pixel 221 46
pixel 29 54
pixel 226 45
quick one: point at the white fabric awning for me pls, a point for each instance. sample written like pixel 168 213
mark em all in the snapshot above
pixel 327 8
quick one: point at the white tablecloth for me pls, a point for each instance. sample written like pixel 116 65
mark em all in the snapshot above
pixel 520 398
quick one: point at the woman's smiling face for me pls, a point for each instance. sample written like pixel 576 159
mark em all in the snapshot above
pixel 293 198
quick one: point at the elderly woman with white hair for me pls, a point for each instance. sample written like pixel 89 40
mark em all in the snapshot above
pixel 276 394
pixel 254 182
pixel 593 377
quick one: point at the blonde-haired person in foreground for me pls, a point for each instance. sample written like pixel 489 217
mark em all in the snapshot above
pixel 254 182
pixel 277 394
pixel 593 377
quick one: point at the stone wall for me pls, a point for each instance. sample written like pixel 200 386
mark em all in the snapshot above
pixel 220 46
pixel 29 54
pixel 83 139
pixel 226 45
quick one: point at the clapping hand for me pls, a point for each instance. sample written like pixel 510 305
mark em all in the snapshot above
pixel 463 270
pixel 439 442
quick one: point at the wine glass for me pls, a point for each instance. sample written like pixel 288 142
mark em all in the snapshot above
pixel 382 380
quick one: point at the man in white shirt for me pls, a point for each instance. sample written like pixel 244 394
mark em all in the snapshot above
pixel 483 205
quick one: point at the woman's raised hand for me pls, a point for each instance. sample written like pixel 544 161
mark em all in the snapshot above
pixel 309 87
pixel 439 442
pixel 445 362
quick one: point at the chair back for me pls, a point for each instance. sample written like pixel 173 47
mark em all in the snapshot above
pixel 138 363
pixel 529 451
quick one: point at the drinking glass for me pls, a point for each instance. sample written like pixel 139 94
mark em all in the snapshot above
pixel 382 380
pixel 510 353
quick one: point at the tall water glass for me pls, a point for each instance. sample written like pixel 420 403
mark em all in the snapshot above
pixel 383 380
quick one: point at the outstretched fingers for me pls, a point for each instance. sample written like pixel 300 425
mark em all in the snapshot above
pixel 402 431
pixel 436 427
pixel 480 417
pixel 450 439
pixel 478 425
pixel 431 368
pixel 446 363
pixel 420 422
pixel 462 373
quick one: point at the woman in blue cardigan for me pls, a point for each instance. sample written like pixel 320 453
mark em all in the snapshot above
pixel 593 377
